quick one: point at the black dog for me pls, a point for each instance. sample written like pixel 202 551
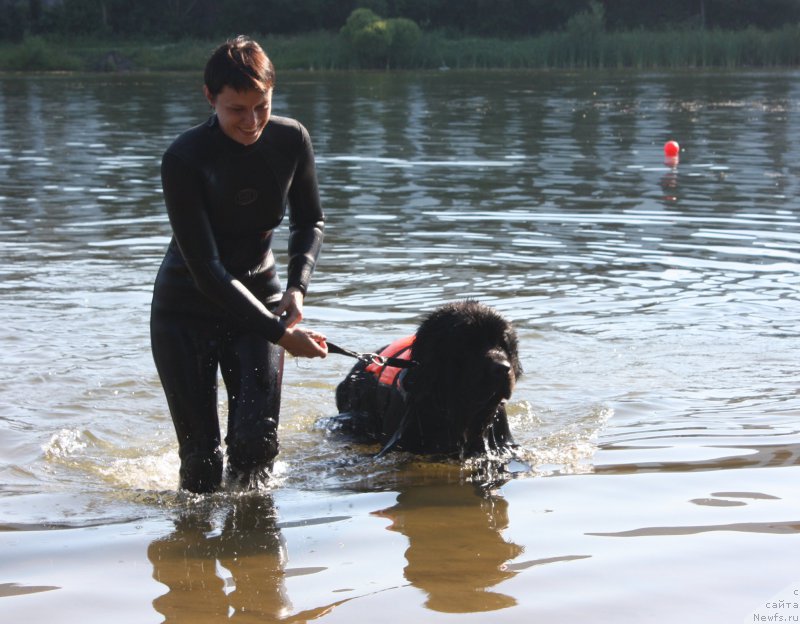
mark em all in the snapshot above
pixel 450 399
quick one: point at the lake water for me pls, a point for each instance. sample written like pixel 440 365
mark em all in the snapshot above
pixel 657 306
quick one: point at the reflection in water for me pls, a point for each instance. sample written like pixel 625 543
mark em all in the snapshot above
pixel 234 571
pixel 669 183
pixel 456 551
pixel 229 560
pixel 15 589
pixel 778 528
pixel 765 456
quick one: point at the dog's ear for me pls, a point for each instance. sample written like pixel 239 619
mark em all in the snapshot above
pixel 434 349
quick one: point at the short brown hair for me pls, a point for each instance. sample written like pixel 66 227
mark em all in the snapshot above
pixel 239 63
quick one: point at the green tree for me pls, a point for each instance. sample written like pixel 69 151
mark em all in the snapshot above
pixel 405 35
pixel 489 18
pixel 376 42
pixel 82 17
pixel 358 20
pixel 371 43
pixel 14 20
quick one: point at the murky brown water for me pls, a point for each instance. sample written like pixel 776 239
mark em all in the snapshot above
pixel 657 308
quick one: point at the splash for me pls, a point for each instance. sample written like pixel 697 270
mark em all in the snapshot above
pixel 133 467
pixel 150 471
pixel 562 447
pixel 312 457
pixel 66 443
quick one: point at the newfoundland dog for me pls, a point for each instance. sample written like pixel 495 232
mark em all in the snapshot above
pixel 440 391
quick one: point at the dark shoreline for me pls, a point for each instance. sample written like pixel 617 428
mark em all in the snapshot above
pixel 324 51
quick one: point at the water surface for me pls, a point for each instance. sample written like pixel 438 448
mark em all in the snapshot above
pixel 656 305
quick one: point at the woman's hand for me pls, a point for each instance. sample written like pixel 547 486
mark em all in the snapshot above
pixel 290 309
pixel 301 342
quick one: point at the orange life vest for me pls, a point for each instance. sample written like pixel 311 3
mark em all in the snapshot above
pixel 400 349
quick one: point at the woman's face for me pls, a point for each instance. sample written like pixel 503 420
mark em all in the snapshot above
pixel 242 115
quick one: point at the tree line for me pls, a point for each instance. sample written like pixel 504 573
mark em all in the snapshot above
pixel 486 18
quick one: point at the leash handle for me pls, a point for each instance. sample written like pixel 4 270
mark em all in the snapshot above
pixel 334 348
pixel 371 358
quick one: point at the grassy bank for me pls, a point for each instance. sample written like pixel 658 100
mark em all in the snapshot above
pixel 634 49
pixel 312 51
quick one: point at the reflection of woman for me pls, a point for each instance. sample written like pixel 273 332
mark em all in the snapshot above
pixel 250 548
pixel 217 300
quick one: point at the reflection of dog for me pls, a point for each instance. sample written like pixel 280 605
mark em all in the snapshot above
pixel 452 401
pixel 456 550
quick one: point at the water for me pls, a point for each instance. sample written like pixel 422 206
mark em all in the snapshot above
pixel 657 310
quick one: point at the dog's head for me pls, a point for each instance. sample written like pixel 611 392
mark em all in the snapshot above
pixel 467 367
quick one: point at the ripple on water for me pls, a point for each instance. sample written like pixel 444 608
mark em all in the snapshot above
pixel 656 308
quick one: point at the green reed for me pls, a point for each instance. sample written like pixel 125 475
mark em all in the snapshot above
pixel 633 49
pixel 688 48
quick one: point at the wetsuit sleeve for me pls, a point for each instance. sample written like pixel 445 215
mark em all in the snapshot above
pixel 193 234
pixel 306 219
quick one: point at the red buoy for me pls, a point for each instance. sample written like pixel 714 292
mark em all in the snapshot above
pixel 671 149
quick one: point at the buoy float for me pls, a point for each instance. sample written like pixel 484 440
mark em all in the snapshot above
pixel 671 149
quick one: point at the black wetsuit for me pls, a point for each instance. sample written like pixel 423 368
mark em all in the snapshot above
pixel 217 282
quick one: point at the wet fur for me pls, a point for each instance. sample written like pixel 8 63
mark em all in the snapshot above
pixel 453 401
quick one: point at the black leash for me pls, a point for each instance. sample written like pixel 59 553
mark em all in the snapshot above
pixel 371 358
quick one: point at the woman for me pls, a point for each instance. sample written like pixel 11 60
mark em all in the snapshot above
pixel 217 300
